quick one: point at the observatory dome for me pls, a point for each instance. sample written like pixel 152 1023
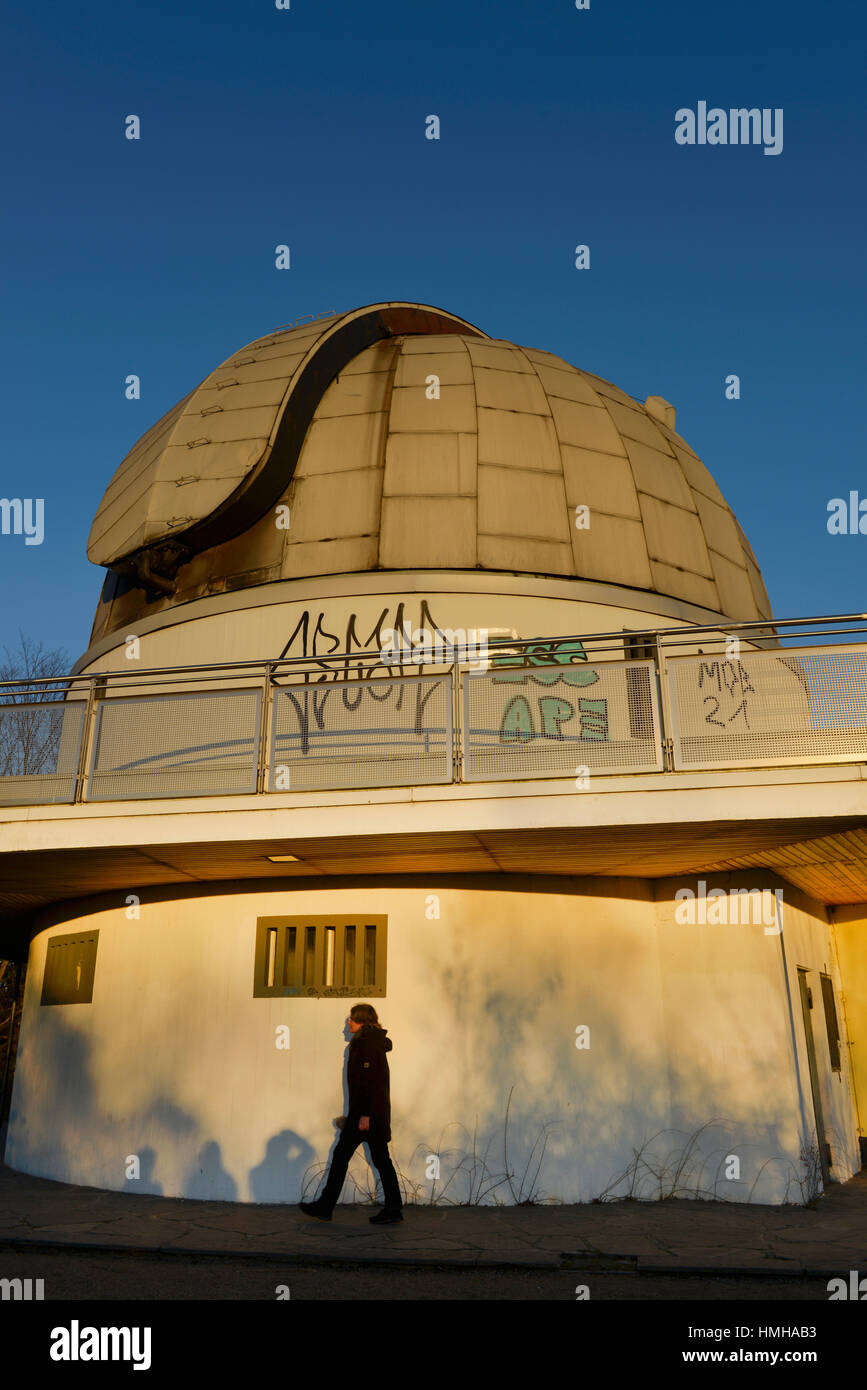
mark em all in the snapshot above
pixel 400 437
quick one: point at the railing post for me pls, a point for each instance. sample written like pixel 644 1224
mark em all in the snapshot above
pixel 457 724
pixel 666 730
pixel 264 727
pixel 85 752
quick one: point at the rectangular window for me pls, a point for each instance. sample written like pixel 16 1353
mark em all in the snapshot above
pixel 289 965
pixel 348 974
pixel 330 933
pixel 639 695
pixel 323 957
pixel 369 955
pixel 70 964
pixel 831 1021
pixel 272 956
pixel 640 648
pixel 309 956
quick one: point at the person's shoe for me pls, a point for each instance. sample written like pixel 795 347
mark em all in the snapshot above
pixel 314 1209
pixel 386 1217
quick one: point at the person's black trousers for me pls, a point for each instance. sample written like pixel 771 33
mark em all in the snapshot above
pixel 350 1138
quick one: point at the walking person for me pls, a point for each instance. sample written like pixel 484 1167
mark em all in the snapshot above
pixel 369 1118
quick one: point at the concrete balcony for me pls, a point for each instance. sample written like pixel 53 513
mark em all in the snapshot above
pixel 667 751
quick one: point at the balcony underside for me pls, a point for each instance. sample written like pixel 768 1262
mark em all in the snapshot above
pixel 652 826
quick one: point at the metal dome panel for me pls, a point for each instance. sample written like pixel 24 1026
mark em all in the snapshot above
pixel 204 472
pixel 381 471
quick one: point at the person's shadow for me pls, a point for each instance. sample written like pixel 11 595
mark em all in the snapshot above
pixel 145 1182
pixel 287 1158
pixel 209 1181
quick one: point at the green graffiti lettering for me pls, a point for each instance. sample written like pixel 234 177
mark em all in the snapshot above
pixel 554 712
pixel 594 720
pixel 556 655
pixel 560 654
pixel 576 676
pixel 517 723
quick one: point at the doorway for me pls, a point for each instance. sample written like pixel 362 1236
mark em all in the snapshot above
pixel 807 1003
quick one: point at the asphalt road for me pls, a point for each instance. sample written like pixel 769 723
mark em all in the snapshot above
pixel 99 1275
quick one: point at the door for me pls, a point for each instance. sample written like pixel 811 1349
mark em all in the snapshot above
pixel 807 1002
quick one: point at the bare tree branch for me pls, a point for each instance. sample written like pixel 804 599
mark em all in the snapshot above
pixel 29 727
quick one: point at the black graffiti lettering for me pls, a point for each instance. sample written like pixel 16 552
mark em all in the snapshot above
pixel 321 632
pixel 709 718
pixel 711 670
pixel 420 703
pixel 303 713
pixel 319 707
pixel 741 709
pixel 300 644
pixel 388 691
pixel 354 643
pixel 303 625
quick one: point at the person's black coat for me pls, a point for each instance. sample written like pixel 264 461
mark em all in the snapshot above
pixel 368 1080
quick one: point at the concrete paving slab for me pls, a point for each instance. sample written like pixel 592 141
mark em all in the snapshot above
pixel 826 1240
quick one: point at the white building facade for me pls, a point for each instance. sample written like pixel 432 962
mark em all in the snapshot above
pixel 586 877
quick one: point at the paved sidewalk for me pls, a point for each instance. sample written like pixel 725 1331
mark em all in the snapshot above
pixel 643 1236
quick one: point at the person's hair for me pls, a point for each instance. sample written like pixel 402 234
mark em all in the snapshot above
pixel 365 1013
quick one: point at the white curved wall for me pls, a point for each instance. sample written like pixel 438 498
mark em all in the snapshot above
pixel 175 1060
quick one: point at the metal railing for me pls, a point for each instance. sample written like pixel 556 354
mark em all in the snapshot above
pixel 655 700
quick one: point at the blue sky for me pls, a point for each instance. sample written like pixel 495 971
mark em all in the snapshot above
pixel 306 126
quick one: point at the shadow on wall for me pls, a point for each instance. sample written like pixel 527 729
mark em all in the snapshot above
pixel 539 1118
pixel 209 1181
pixel 146 1181
pixel 592 1116
pixel 279 1176
pixel 58 1130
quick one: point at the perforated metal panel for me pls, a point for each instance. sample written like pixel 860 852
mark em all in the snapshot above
pixel 374 733
pixel 176 745
pixel 769 709
pixel 535 721
pixel 39 751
